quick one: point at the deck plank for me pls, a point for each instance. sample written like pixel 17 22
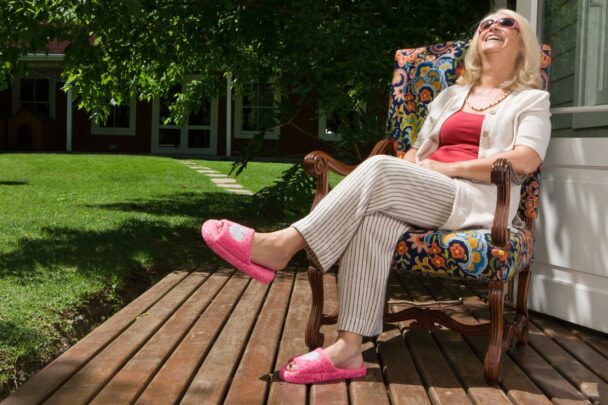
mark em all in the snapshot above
pixel 575 346
pixel 518 387
pixel 49 379
pixel 469 369
pixel 467 366
pixel 443 386
pixel 292 344
pixel 96 373
pixel 168 385
pixel 369 389
pixel 594 339
pixel 215 340
pixel 131 380
pixel 551 382
pixel 555 387
pixel 248 385
pixel 404 384
pixel 589 384
pixel 213 377
pixel 333 392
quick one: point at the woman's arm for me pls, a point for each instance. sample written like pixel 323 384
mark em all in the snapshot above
pixel 525 160
pixel 410 155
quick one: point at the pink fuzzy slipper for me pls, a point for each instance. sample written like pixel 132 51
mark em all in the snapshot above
pixel 316 367
pixel 232 242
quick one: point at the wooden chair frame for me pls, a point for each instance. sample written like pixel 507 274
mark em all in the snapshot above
pixel 501 335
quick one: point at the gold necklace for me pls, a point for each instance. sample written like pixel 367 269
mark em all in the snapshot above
pixel 479 109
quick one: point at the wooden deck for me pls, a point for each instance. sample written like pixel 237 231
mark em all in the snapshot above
pixel 209 338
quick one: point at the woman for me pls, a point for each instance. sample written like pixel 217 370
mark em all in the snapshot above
pixel 443 181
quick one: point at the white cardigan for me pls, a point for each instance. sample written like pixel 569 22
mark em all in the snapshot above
pixel 520 119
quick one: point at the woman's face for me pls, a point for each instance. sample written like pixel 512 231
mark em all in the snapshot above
pixel 500 39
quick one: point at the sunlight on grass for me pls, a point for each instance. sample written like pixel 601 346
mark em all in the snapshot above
pixel 72 226
pixel 256 175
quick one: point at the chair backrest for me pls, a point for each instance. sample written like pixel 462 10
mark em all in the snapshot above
pixel 422 73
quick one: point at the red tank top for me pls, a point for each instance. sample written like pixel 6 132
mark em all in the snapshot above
pixel 459 138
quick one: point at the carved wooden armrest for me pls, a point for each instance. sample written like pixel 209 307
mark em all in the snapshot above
pixel 318 164
pixel 502 175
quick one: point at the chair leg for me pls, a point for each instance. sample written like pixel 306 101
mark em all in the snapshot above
pixel 510 289
pixel 491 363
pixel 522 305
pixel 313 336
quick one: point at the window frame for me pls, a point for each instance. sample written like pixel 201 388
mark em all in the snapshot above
pixel 16 91
pixel 323 133
pixel 239 133
pixel 183 148
pixel 130 131
pixel 588 65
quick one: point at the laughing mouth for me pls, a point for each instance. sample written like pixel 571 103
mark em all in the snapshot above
pixel 494 37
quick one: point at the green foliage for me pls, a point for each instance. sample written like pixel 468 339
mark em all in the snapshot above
pixel 290 195
pixel 339 52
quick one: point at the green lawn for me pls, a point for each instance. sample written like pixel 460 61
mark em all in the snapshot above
pixel 85 228
pixel 256 175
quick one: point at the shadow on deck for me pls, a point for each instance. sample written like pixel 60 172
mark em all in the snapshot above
pixel 199 337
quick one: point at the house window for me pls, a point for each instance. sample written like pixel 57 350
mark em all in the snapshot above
pixel 577 30
pixel 256 110
pixel 194 135
pixel 331 124
pixel 120 121
pixel 34 95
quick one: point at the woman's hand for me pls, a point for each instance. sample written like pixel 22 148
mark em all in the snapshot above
pixel 441 167
pixel 524 160
pixel 410 155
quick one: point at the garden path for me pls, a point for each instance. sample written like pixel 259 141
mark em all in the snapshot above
pixel 219 179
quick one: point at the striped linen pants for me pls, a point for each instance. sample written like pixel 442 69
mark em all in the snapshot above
pixel 359 223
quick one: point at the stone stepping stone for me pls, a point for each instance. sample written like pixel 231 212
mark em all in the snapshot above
pixel 219 179
pixel 223 181
pixel 207 171
pixel 240 192
pixel 233 186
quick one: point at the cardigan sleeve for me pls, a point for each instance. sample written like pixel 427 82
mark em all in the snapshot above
pixel 534 125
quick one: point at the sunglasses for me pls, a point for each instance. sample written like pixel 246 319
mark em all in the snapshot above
pixel 505 22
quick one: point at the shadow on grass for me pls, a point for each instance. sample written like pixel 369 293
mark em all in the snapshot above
pixel 139 247
pixel 130 257
pixel 14 183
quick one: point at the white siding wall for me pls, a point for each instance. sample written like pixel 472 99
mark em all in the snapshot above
pixel 570 272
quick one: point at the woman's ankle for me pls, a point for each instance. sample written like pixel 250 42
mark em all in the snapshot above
pixel 269 250
pixel 275 249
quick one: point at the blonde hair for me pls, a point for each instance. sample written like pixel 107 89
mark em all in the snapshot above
pixel 527 69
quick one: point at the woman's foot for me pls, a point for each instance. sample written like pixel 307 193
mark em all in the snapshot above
pixel 274 250
pixel 343 356
pixel 344 353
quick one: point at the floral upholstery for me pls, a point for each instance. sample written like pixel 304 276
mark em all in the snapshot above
pixel 420 74
pixel 465 254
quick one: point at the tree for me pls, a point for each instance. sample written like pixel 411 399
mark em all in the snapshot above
pixel 338 52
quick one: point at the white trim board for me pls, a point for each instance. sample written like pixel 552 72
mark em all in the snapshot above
pixel 570 274
pixel 569 295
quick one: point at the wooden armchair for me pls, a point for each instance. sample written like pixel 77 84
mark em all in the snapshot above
pixel 493 257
